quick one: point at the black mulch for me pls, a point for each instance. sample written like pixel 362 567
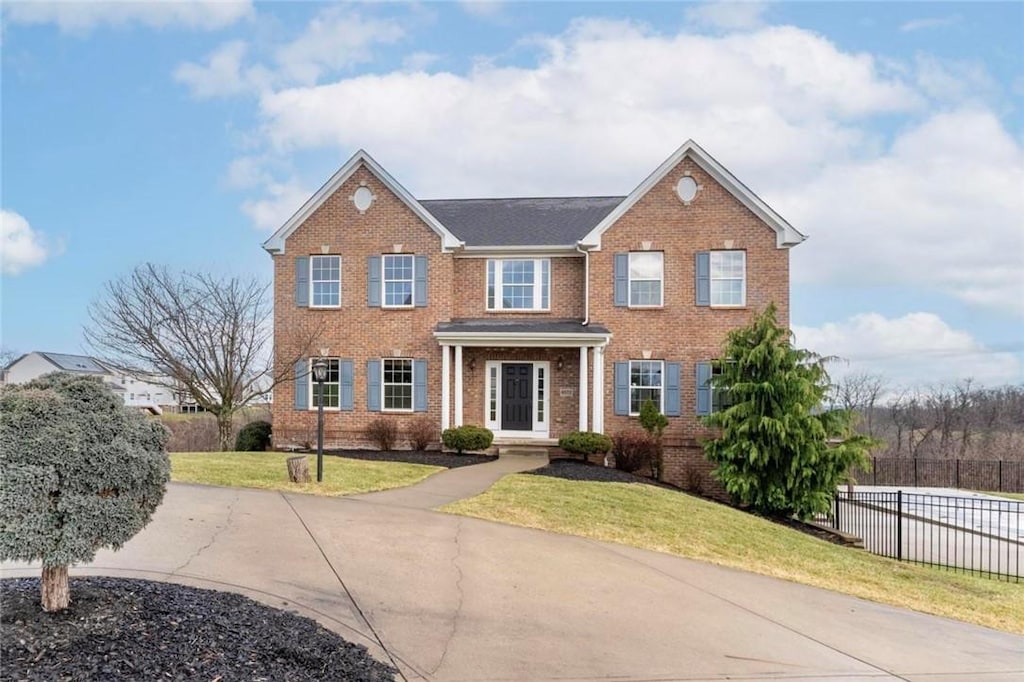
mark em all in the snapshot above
pixel 578 470
pixel 119 629
pixel 430 457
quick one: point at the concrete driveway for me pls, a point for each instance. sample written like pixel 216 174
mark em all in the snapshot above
pixel 451 598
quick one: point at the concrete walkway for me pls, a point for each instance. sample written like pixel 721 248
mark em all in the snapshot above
pixel 452 598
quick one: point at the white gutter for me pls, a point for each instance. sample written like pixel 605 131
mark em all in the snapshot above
pixel 586 284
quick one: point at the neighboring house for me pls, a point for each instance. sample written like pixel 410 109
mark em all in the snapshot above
pixel 532 317
pixel 138 390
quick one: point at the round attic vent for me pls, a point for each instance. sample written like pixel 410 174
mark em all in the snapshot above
pixel 362 198
pixel 686 188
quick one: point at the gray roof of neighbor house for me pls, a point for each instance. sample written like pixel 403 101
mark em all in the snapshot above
pixel 489 325
pixel 521 222
pixel 75 363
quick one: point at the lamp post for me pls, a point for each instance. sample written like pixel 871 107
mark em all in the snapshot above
pixel 319 375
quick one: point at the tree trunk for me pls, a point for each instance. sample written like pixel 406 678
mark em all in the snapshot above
pixel 298 469
pixel 55 594
pixel 224 431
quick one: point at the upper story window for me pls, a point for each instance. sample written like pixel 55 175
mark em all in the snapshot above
pixel 645 383
pixel 646 273
pixel 325 281
pixel 398 280
pixel 728 278
pixel 519 284
pixel 331 385
pixel 397 384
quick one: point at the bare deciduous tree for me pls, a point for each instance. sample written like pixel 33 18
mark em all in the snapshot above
pixel 207 336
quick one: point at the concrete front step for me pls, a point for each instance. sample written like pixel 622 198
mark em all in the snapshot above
pixel 523 451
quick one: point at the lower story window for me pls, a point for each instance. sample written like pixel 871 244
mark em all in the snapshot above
pixel 331 385
pixel 721 398
pixel 493 395
pixel 645 383
pixel 397 384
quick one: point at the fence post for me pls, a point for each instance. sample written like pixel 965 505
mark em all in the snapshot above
pixel 835 519
pixel 874 471
pixel 1000 488
pixel 957 473
pixel 915 471
pixel 899 524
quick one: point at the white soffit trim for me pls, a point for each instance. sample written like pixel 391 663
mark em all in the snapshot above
pixel 561 251
pixel 514 340
pixel 786 234
pixel 275 245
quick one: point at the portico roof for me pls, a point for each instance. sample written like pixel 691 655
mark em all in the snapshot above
pixel 520 332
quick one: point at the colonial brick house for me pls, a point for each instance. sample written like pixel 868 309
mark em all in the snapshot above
pixel 532 317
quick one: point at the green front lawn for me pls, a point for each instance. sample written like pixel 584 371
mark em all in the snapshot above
pixel 268 470
pixel 654 518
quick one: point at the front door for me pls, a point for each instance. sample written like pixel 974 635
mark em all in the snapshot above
pixel 516 397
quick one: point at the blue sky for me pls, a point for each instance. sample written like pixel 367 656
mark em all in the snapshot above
pixel 185 133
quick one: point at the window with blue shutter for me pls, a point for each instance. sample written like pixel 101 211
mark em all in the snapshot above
pixel 302 281
pixel 373 281
pixel 702 284
pixel 302 385
pixel 622 279
pixel 703 388
pixel 346 390
pixel 421 282
pixel 419 389
pixel 622 388
pixel 373 383
pixel 672 389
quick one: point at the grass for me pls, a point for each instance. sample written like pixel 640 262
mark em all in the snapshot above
pixel 268 470
pixel 666 521
pixel 1013 496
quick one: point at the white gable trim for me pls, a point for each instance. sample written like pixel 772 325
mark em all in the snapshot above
pixel 786 234
pixel 275 245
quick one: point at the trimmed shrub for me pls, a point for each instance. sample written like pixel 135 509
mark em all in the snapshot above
pixel 467 438
pixel 651 419
pixel 383 431
pixel 254 437
pixel 79 471
pixel 634 450
pixel 422 433
pixel 586 443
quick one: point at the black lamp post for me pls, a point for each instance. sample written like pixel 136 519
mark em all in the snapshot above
pixel 319 375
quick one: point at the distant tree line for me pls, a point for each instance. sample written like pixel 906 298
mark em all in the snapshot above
pixel 942 421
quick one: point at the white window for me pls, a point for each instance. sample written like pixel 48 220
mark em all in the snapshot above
pixel 331 384
pixel 646 271
pixel 397 383
pixel 325 281
pixel 728 278
pixel 645 383
pixel 492 394
pixel 721 398
pixel 518 284
pixel 398 281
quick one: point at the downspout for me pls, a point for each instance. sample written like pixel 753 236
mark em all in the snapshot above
pixel 586 284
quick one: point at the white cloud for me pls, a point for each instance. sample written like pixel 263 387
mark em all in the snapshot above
pixel 482 8
pixel 223 74
pixel 82 16
pixel 926 23
pixel 283 199
pixel 728 15
pixel 913 350
pixel 419 61
pixel 21 247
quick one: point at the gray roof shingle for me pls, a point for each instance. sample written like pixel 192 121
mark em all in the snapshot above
pixel 75 363
pixel 550 221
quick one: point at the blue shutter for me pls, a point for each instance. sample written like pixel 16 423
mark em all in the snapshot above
pixel 373 281
pixel 622 279
pixel 703 282
pixel 672 401
pixel 420 287
pixel 419 385
pixel 346 370
pixel 703 388
pixel 302 281
pixel 373 383
pixel 302 385
pixel 622 388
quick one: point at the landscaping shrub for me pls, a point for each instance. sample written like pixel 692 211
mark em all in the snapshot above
pixel 254 437
pixel 585 443
pixel 467 438
pixel 78 471
pixel 422 433
pixel 634 450
pixel 383 431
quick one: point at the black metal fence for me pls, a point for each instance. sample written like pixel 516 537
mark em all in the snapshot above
pixel 971 474
pixel 983 536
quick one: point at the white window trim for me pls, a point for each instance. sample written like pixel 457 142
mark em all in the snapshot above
pixel 312 385
pixel 661 391
pixel 384 281
pixel 629 282
pixel 712 279
pixel 538 296
pixel 540 429
pixel 310 275
pixel 412 387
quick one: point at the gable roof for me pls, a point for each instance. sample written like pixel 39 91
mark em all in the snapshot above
pixel 786 234
pixel 276 242
pixel 74 363
pixel 549 221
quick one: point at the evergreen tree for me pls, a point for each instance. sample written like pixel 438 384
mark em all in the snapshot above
pixel 778 449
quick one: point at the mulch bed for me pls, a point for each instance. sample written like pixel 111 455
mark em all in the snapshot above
pixel 120 629
pixel 430 457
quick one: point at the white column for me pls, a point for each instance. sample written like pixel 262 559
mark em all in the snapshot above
pixel 458 385
pixel 598 410
pixel 446 386
pixel 583 388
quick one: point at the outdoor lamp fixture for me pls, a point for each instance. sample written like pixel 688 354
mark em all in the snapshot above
pixel 320 375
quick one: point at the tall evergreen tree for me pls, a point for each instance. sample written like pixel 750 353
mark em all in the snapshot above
pixel 778 449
